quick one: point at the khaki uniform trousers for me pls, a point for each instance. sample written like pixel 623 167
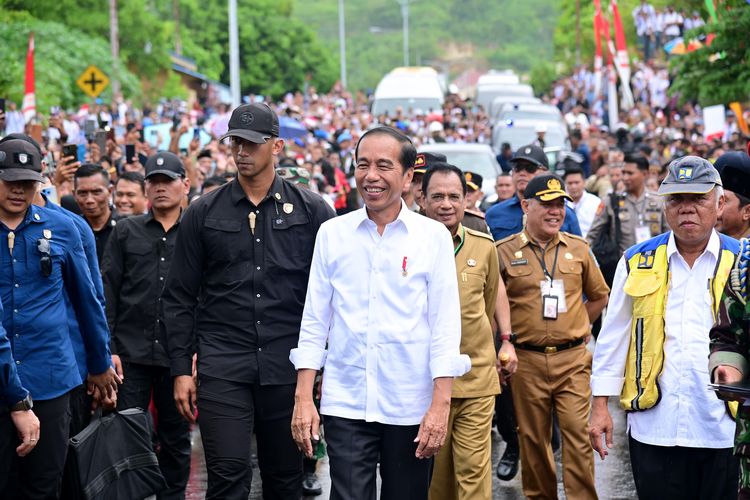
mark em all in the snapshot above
pixel 463 467
pixel 564 378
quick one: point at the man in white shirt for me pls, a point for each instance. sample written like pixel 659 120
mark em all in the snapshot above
pixel 654 343
pixel 586 205
pixel 643 20
pixel 382 314
pixel 672 23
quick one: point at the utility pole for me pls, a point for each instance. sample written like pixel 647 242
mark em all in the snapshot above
pixel 234 54
pixel 405 15
pixel 114 45
pixel 578 32
pixel 342 45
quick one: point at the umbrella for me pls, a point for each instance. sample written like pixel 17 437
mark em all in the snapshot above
pixel 678 46
pixel 289 128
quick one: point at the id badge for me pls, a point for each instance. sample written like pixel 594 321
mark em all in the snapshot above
pixel 555 289
pixel 642 233
pixel 549 307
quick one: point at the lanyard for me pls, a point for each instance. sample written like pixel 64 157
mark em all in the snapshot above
pixel 458 248
pixel 543 264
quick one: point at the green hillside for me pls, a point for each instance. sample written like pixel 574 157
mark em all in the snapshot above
pixel 449 35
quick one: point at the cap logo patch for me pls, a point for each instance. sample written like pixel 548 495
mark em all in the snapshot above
pixel 160 161
pixel 23 158
pixel 685 174
pixel 527 151
pixel 554 185
pixel 468 176
pixel 246 118
pixel 419 162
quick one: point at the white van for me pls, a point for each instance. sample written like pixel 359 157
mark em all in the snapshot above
pixel 487 93
pixel 409 88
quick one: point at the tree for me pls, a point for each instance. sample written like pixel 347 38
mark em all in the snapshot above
pixel 61 55
pixel 720 73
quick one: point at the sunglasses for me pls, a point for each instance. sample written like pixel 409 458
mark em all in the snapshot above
pixel 527 166
pixel 45 261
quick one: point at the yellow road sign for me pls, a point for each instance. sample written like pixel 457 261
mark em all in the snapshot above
pixel 92 81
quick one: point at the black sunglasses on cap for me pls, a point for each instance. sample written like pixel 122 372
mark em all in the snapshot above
pixel 519 166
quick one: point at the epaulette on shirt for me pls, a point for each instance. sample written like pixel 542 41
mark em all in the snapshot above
pixel 479 233
pixel 475 213
pixel 575 237
pixel 506 239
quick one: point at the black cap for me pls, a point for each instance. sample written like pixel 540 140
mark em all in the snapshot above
pixel 165 163
pixel 546 187
pixel 734 168
pixel 473 181
pixel 531 153
pixel 23 137
pixel 254 122
pixel 20 161
pixel 425 160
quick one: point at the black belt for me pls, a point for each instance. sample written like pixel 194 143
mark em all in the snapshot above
pixel 551 349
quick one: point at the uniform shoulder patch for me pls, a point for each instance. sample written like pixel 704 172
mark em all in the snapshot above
pixel 475 213
pixel 479 233
pixel 506 240
pixel 575 237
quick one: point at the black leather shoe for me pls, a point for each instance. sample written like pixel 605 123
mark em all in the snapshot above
pixel 507 467
pixel 311 486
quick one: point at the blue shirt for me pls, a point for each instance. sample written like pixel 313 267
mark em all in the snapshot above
pixel 89 248
pixel 506 218
pixel 583 150
pixel 35 312
pixel 11 390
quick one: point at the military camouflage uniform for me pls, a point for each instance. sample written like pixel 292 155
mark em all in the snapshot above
pixel 730 345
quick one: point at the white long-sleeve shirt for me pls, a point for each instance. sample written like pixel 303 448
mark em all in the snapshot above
pixel 388 308
pixel 688 414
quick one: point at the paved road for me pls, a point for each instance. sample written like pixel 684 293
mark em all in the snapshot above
pixel 613 476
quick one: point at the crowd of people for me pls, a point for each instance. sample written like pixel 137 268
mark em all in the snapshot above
pixel 214 260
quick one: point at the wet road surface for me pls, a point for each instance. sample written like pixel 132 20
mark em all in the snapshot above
pixel 613 476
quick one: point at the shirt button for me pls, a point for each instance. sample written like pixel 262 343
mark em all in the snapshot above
pixel 16 285
pixel 161 278
pixel 17 335
pixel 14 260
pixel 258 322
pixel 163 239
pixel 260 349
pixel 257 239
pixel 257 295
pixel 18 362
pixel 15 311
pixel 258 268
pixel 156 341
pixel 157 321
pixel 162 259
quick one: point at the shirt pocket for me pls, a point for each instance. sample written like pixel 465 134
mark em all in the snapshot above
pixel 223 238
pixel 293 243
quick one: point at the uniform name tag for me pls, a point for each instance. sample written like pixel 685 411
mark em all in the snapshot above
pixel 519 262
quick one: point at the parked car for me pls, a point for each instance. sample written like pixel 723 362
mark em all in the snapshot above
pixel 474 157
pixel 521 132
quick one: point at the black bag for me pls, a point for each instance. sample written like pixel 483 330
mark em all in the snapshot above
pixel 113 459
pixel 605 248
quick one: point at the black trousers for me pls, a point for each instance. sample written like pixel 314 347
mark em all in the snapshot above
pixel 172 431
pixel 227 412
pixel 674 472
pixel 505 417
pixel 80 409
pixel 354 449
pixel 38 475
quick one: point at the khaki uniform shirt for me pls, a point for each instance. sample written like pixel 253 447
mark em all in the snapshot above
pixel 475 220
pixel 646 211
pixel 522 273
pixel 478 277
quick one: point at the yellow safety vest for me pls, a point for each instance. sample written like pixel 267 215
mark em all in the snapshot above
pixel 648 284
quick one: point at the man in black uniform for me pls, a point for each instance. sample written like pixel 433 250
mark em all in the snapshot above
pixel 135 266
pixel 236 290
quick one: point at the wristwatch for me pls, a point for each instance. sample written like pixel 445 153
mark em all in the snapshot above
pixel 508 337
pixel 24 405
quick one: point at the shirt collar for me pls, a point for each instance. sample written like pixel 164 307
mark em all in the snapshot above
pixel 150 216
pixel 407 218
pixel 526 239
pixel 713 247
pixel 275 191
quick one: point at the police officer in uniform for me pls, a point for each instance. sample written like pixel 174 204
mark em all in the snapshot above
pixel 421 165
pixel 473 216
pixel 463 467
pixel 546 272
pixel 236 289
pixel 641 212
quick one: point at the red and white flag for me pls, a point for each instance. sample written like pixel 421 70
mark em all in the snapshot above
pixel 622 60
pixel 598 43
pixel 29 100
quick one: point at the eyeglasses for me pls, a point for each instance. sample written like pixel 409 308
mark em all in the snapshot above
pixel 529 167
pixel 45 261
